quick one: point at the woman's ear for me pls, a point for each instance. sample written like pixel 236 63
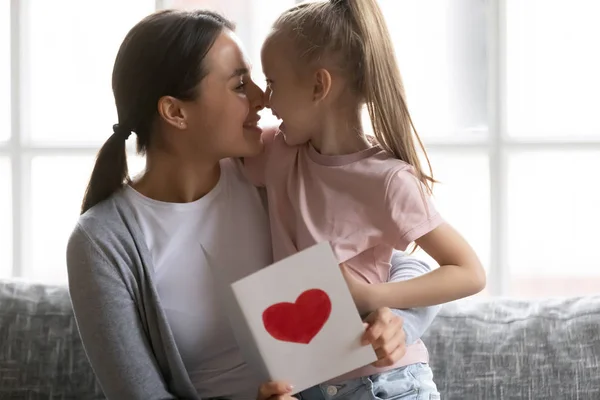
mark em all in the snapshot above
pixel 171 110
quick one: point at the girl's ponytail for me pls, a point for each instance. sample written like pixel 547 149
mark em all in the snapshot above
pixel 352 36
pixel 383 88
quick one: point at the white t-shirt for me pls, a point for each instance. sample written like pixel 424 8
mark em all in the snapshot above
pixel 230 222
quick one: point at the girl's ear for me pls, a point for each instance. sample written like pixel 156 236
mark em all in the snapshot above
pixel 321 85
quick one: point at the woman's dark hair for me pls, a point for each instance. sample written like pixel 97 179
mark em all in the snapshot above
pixel 163 55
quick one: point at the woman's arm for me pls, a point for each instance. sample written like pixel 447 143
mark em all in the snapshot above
pixel 109 325
pixel 416 320
pixel 390 331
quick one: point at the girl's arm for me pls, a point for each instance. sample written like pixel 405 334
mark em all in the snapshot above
pixel 412 217
pixel 460 275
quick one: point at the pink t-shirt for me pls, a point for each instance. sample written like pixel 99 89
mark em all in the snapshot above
pixel 364 204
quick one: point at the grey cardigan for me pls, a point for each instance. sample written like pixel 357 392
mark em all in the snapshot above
pixel 122 325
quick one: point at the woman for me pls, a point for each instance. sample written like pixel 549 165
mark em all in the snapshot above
pixel 146 307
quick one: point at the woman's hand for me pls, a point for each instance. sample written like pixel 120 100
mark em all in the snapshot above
pixel 275 391
pixel 385 332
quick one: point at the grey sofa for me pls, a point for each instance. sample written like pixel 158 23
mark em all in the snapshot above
pixel 488 349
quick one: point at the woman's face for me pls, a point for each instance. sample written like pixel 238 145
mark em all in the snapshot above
pixel 224 117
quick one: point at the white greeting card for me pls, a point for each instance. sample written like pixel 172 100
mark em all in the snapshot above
pixel 296 321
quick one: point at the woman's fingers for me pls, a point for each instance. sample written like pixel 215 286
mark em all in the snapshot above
pixel 276 390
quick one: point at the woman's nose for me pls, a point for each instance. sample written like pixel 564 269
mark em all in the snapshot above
pixel 256 97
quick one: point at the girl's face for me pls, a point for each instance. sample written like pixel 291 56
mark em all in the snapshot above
pixel 223 120
pixel 289 95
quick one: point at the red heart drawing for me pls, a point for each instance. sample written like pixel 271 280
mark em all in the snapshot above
pixel 298 322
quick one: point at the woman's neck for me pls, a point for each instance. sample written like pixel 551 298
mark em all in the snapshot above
pixel 342 133
pixel 170 179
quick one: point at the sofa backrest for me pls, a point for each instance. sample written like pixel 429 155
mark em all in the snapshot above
pixel 487 349
pixel 41 355
pixel 513 349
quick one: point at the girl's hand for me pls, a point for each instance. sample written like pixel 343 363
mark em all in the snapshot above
pixel 361 291
pixel 275 391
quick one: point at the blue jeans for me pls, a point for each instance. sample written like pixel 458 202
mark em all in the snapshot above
pixel 413 382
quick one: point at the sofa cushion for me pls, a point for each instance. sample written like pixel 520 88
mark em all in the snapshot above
pixel 510 349
pixel 41 356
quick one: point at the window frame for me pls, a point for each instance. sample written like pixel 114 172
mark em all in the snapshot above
pixel 498 145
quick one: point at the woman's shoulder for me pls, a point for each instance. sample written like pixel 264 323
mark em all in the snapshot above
pixel 103 214
pixel 106 223
pixel 104 236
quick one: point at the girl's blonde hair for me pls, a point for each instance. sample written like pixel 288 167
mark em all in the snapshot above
pixel 352 37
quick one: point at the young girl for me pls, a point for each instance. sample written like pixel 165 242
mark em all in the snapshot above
pixel 326 181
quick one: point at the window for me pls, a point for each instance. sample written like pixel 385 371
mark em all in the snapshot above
pixel 504 98
pixel 552 70
pixel 5 127
pixel 553 220
pixel 442 48
pixel 62 116
pixel 5 218
pixel 70 64
pixel 552 142
pixel 5 87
